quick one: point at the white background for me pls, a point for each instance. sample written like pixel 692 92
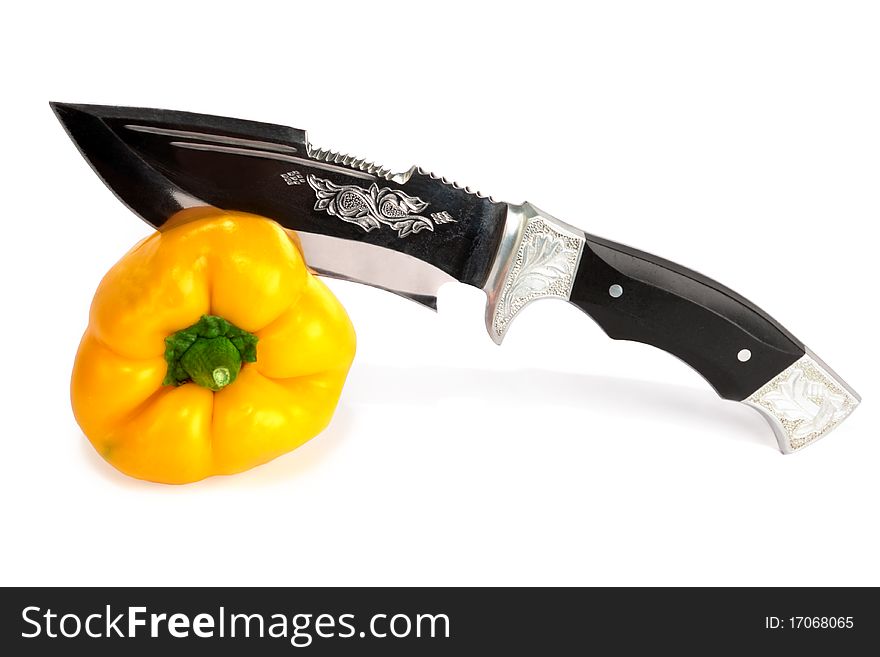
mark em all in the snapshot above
pixel 740 139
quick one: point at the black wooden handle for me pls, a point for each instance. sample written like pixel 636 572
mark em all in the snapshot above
pixel 734 344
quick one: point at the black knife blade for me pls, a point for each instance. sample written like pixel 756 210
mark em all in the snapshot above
pixel 159 161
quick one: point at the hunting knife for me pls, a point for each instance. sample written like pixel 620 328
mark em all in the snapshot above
pixel 411 232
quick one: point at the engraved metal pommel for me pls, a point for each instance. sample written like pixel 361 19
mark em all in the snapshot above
pixel 804 402
pixel 537 259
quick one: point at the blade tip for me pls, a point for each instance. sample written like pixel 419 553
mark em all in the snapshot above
pixel 63 111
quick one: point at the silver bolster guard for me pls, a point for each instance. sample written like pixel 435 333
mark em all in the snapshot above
pixel 537 259
pixel 804 402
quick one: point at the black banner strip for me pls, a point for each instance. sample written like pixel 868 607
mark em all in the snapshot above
pixel 432 621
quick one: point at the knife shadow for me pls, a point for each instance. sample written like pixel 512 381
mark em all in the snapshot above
pixel 610 396
pixel 423 386
pixel 377 385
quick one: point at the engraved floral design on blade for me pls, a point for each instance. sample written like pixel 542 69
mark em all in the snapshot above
pixel 805 401
pixel 374 207
pixel 293 178
pixel 544 266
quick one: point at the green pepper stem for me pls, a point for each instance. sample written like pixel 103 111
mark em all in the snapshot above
pixel 209 353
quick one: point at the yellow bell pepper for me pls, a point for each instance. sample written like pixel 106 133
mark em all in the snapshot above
pixel 211 348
